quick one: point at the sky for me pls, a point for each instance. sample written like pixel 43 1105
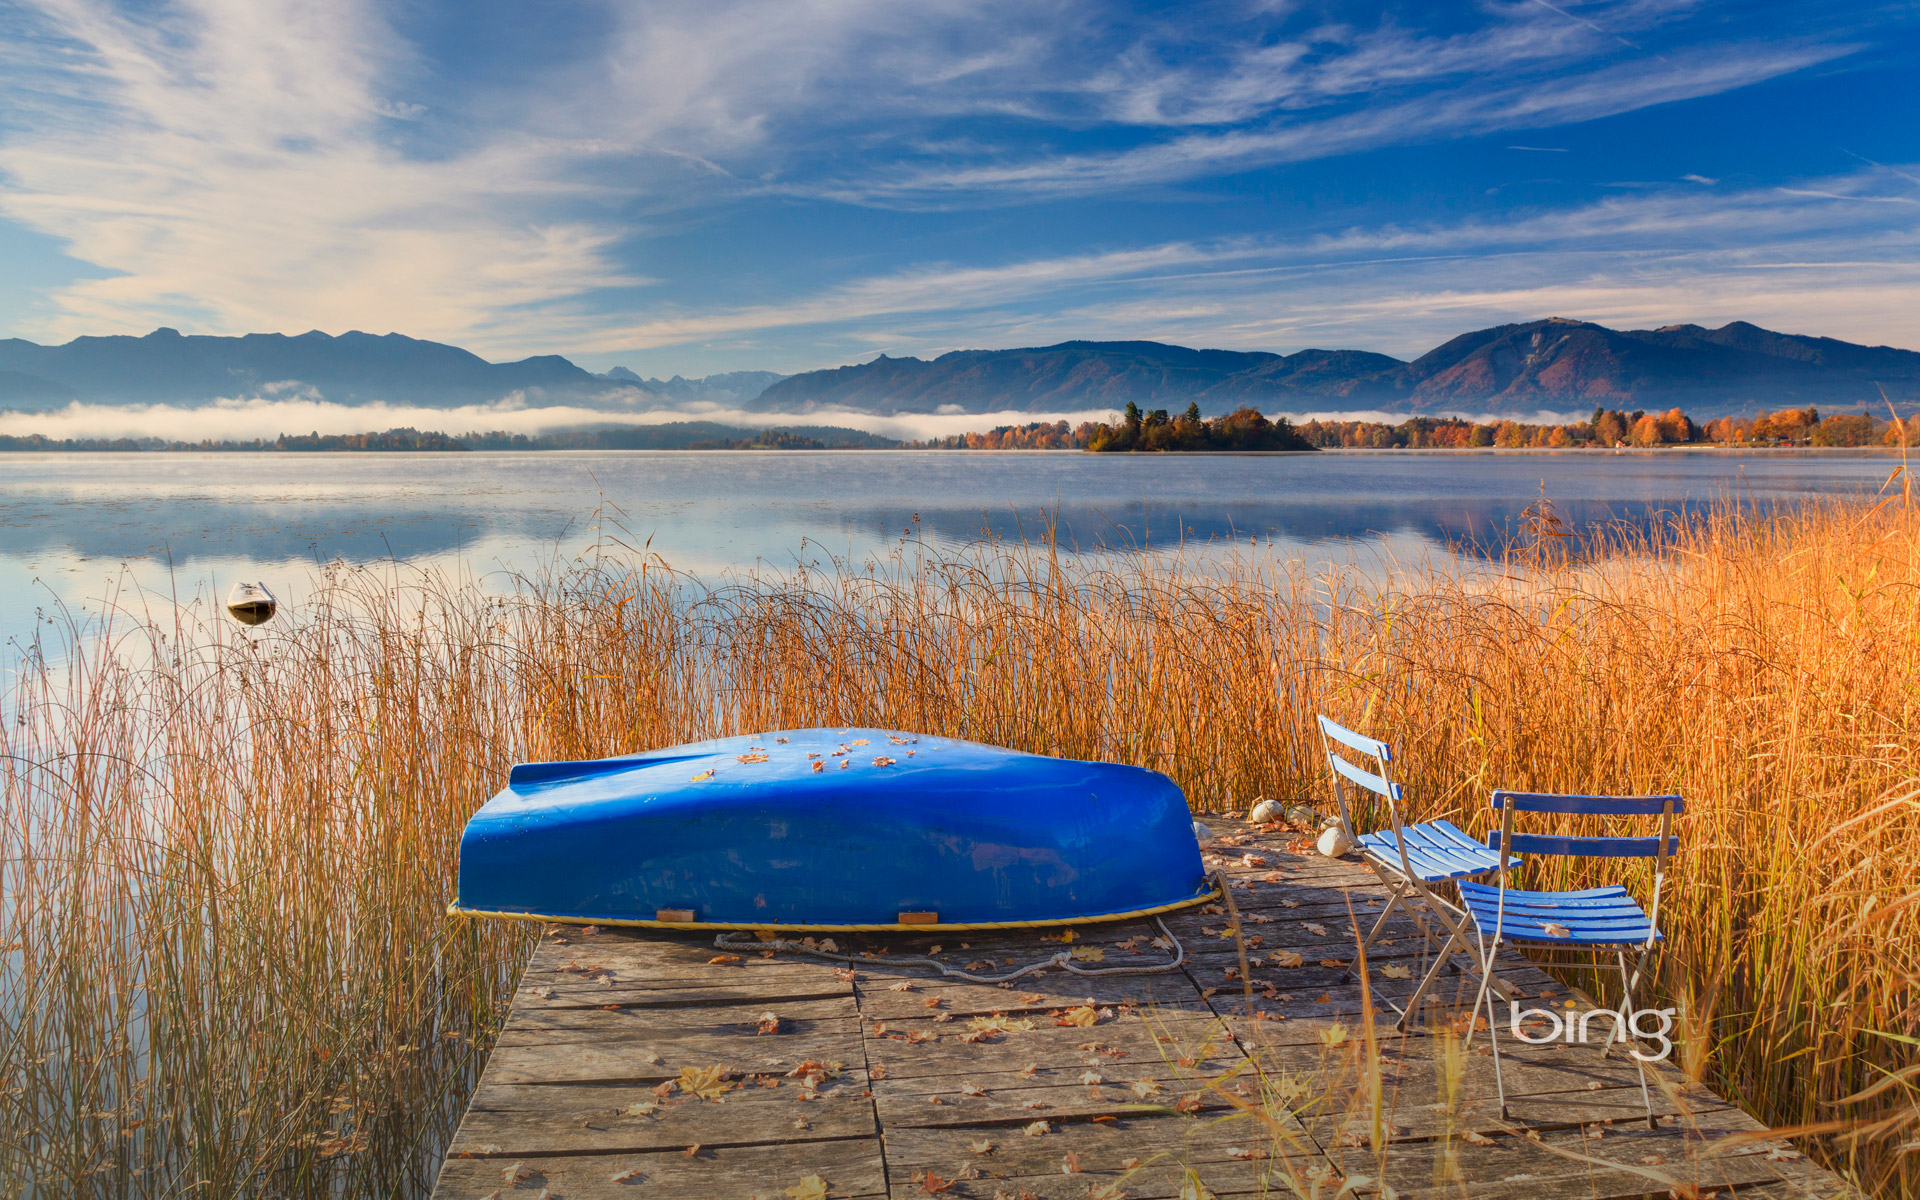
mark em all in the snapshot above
pixel 702 187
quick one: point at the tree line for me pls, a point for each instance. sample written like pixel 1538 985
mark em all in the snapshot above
pixel 1247 429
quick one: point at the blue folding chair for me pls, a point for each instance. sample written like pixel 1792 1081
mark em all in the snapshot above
pixel 1411 860
pixel 1593 919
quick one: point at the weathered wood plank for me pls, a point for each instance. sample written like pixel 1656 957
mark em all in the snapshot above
pixel 1625 1162
pixel 852 1168
pixel 635 1120
pixel 629 1062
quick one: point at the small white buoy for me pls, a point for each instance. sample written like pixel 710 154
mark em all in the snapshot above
pixel 1334 841
pixel 251 603
pixel 1202 834
pixel 1267 812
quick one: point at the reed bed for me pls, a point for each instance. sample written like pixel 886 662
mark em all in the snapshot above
pixel 225 854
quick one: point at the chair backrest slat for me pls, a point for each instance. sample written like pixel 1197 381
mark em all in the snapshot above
pixel 1601 806
pixel 1585 847
pixel 1365 779
pixel 1356 741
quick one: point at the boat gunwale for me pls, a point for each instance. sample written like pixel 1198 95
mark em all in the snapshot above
pixel 1213 893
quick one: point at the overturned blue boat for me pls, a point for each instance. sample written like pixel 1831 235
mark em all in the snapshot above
pixel 831 829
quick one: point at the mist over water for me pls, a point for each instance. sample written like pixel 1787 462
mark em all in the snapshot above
pixel 75 529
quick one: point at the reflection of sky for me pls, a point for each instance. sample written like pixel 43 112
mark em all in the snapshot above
pixel 194 523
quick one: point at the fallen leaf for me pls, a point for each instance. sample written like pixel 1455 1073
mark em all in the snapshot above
pixel 1246 1154
pixel 1070 1165
pixel 516 1174
pixel 1092 1079
pixel 1089 953
pixel 989 1026
pixel 1084 1017
pixel 1396 971
pixel 845 974
pixel 1028 1071
pixel 932 1184
pixel 981 1147
pixel 723 958
pixel 902 986
pixel 750 758
pixel 1286 958
pixel 881 760
pixel 1107 1191
pixel 1187 1104
pixel 819 766
pixel 630 1175
pixel 1475 1138
pixel 1333 1035
pixel 812 1187
pixel 643 1110
pixel 693 1151
pixel 1145 1087
pixel 1783 1154
pixel 1332 963
pixel 1556 929
pixel 858 742
pixel 769 1023
pixel 703 776
pixel 1316 930
pixel 1037 1129
pixel 707 1083
pixel 1129 1164
pixel 972 1089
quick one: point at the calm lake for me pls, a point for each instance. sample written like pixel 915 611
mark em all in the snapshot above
pixel 72 526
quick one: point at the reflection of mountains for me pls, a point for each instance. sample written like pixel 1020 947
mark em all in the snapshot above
pixel 186 533
pixel 1472 525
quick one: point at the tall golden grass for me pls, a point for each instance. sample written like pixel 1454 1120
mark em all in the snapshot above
pixel 225 853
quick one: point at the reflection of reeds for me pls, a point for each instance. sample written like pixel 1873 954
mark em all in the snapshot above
pixel 224 853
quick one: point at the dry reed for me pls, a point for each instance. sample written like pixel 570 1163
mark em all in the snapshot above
pixel 224 854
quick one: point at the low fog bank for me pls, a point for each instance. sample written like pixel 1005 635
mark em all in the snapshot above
pixel 266 419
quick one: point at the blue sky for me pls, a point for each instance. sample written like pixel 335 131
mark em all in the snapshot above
pixel 710 186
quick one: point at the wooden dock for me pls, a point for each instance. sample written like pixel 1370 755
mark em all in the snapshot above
pixel 636 1064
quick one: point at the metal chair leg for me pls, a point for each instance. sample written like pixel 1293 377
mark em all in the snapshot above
pixel 1395 898
pixel 1626 1008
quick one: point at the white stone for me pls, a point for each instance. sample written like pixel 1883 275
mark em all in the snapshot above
pixel 1334 841
pixel 1266 812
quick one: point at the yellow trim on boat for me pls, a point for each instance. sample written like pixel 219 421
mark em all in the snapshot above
pixel 1213 893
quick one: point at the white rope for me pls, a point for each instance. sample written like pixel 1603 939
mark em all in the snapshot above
pixel 1063 960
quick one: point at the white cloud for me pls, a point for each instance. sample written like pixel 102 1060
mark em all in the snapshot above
pixel 1805 262
pixel 229 161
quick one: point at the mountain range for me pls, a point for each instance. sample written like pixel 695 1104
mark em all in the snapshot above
pixel 1522 369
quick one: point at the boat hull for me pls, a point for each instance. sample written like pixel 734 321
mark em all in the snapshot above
pixel 890 830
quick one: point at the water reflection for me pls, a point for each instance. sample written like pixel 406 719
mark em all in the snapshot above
pixel 183 523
